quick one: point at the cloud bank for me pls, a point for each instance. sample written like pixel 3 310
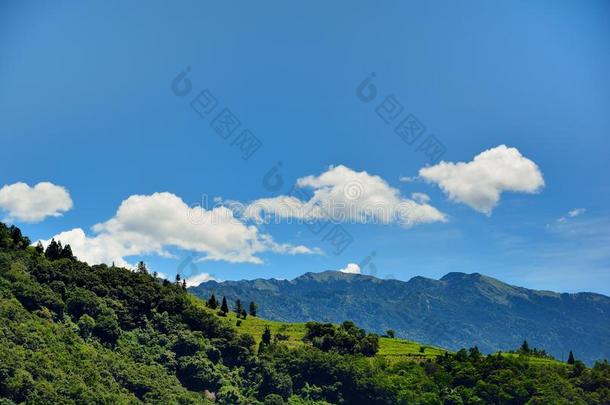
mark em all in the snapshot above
pixel 341 194
pixel 150 224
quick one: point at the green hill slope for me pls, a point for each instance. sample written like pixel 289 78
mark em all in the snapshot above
pixel 71 333
pixel 456 311
pixel 389 349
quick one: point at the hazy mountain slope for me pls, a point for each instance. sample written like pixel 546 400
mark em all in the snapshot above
pixel 456 311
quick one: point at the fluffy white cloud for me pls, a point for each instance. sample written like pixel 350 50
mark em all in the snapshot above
pixel 33 204
pixel 149 224
pixel 351 268
pixel 341 194
pixel 480 182
pixel 195 280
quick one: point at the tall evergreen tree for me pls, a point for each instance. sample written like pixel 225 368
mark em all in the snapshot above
pixel 266 338
pixel 238 307
pixel 178 278
pixel 525 347
pixel 213 302
pixel 141 268
pixel 66 253
pixel 19 241
pixel 571 358
pixel 224 307
pixel 253 308
pixel 39 248
pixel 53 250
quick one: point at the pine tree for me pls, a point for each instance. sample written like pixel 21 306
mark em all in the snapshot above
pixel 66 253
pixel 53 250
pixel 19 241
pixel 184 284
pixel 238 307
pixel 212 302
pixel 253 308
pixel 525 347
pixel 244 314
pixel 266 338
pixel 178 278
pixel 39 248
pixel 571 358
pixel 224 308
pixel 141 268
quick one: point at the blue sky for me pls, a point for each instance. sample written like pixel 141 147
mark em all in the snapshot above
pixel 86 104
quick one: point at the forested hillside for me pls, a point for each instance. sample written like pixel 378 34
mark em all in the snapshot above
pixel 74 333
pixel 459 310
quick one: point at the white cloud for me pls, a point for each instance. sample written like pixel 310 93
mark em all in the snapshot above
pixel 197 279
pixel 576 212
pixel 480 182
pixel 420 197
pixel 33 204
pixel 341 194
pixel 351 268
pixel 408 179
pixel 149 224
pixel 572 214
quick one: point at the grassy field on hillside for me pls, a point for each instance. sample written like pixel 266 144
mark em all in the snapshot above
pixel 390 349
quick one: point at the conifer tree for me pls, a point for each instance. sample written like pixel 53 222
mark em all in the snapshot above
pixel 266 338
pixel 238 307
pixel 39 248
pixel 525 347
pixel 142 268
pixel 212 302
pixel 66 253
pixel 253 308
pixel 224 308
pixel 53 250
pixel 571 358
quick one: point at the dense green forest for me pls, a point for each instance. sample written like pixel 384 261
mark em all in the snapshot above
pixel 74 333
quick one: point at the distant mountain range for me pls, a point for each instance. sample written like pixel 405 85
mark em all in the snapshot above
pixel 459 310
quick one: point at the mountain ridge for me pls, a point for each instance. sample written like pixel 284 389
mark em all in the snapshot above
pixel 455 310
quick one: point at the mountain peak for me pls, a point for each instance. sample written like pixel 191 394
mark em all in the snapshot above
pixel 327 276
pixel 456 275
